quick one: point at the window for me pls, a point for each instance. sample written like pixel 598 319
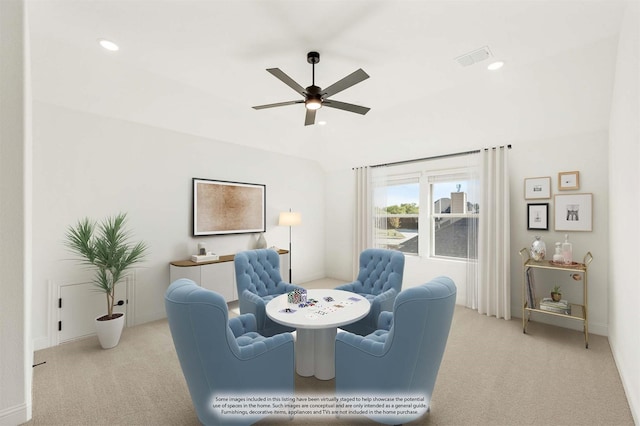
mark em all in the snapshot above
pixel 446 228
pixel 454 219
pixel 396 214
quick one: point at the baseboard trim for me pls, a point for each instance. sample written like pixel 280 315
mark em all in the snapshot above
pixel 143 319
pixel 16 415
pixel 625 372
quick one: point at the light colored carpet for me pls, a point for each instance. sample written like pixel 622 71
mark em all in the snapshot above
pixel 491 374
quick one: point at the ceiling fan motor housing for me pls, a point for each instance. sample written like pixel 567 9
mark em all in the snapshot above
pixel 313 92
pixel 313 57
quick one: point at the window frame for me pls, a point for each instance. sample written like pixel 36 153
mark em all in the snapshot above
pixel 426 179
pixel 394 180
pixel 445 176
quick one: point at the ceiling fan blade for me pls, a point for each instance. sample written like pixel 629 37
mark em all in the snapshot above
pixel 310 117
pixel 280 75
pixel 345 106
pixel 279 104
pixel 353 78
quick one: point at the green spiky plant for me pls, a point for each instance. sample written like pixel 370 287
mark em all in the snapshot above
pixel 106 247
pixel 556 294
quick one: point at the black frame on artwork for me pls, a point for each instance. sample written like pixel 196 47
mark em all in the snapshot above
pixel 535 221
pixel 223 207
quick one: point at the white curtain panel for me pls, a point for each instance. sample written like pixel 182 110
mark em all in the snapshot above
pixel 363 218
pixel 474 194
pixel 493 287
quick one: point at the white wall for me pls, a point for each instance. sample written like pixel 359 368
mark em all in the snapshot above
pixel 339 219
pixel 624 185
pixel 15 208
pixel 86 165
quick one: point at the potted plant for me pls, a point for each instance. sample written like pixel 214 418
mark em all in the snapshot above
pixel 106 248
pixel 555 294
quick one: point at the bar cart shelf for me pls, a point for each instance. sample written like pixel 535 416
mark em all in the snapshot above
pixel 578 311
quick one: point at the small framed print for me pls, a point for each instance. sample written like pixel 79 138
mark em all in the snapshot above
pixel 574 212
pixel 537 188
pixel 538 216
pixel 568 181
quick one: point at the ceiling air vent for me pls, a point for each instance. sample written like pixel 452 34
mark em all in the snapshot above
pixel 474 56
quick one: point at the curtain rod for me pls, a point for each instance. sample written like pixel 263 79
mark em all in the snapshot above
pixel 434 157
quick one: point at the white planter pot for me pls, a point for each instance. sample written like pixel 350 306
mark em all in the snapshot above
pixel 109 331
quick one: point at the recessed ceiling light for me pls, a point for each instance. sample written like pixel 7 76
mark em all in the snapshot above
pixel 322 123
pixel 109 45
pixel 495 65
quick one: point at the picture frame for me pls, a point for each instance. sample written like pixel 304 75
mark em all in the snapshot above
pixel 223 207
pixel 538 216
pixel 537 188
pixel 568 181
pixel 574 212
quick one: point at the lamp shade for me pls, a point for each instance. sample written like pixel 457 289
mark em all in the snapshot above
pixel 290 219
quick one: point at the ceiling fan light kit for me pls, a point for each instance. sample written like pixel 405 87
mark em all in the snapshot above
pixel 313 103
pixel 315 97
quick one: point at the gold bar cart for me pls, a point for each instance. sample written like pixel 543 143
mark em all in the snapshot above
pixel 578 311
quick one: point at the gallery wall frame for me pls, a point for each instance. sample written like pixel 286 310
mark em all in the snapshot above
pixel 573 212
pixel 537 188
pixel 568 181
pixel 538 216
pixel 223 207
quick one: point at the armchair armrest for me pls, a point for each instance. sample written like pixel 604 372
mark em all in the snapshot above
pixel 254 304
pixel 373 344
pixel 385 320
pixel 382 302
pixel 242 324
pixel 346 287
pixel 264 345
pixel 252 298
pixel 385 299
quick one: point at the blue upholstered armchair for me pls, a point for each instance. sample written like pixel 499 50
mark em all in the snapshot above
pixel 403 356
pixel 226 357
pixel 258 280
pixel 380 281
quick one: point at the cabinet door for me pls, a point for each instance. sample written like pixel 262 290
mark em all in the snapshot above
pixel 190 272
pixel 80 304
pixel 219 277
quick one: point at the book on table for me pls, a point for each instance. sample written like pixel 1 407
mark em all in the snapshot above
pixel 560 307
pixel 531 295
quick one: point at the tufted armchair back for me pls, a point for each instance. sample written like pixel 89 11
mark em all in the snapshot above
pixel 259 272
pixel 258 281
pixel 403 356
pixel 219 356
pixel 380 270
pixel 379 281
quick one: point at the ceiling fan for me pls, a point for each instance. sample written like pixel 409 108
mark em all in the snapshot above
pixel 314 96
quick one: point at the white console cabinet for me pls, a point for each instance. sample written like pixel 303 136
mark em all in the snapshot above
pixel 217 275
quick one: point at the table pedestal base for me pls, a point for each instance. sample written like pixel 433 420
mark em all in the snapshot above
pixel 315 352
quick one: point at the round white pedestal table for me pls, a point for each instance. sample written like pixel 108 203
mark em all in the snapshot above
pixel 316 326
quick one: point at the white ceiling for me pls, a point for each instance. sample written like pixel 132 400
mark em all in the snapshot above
pixel 197 67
